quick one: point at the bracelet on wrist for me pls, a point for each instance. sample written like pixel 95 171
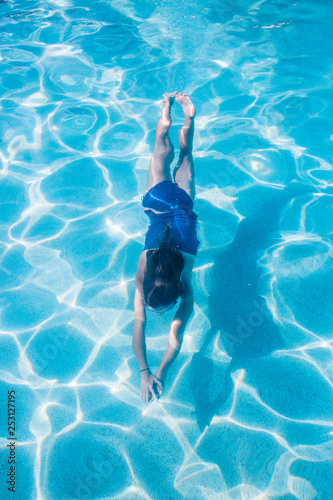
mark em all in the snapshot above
pixel 144 369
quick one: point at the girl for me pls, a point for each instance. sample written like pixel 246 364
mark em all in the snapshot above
pixel 166 263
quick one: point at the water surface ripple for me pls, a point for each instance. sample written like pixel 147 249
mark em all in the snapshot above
pixel 247 409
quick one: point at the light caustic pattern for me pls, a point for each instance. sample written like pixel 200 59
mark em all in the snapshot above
pixel 247 408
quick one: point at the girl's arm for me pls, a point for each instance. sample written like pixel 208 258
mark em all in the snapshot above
pixel 148 380
pixel 177 329
pixel 138 340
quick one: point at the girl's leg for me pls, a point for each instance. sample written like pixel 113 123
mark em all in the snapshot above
pixel 159 168
pixel 184 170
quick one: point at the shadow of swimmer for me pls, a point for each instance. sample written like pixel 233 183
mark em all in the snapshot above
pixel 257 317
pixel 245 327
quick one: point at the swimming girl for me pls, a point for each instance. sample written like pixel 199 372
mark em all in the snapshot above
pixel 165 265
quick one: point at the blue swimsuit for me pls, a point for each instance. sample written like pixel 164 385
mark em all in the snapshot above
pixel 175 206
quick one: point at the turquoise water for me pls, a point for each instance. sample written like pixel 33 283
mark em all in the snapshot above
pixel 247 408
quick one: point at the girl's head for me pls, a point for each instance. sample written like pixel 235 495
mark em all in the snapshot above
pixel 161 284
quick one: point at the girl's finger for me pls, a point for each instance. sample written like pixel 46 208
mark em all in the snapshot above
pixel 159 384
pixel 153 393
pixel 157 380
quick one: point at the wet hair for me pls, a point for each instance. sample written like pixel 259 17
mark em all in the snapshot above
pixel 161 284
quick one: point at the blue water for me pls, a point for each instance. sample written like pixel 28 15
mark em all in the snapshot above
pixel 247 411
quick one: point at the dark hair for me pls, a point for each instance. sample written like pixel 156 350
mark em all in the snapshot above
pixel 161 284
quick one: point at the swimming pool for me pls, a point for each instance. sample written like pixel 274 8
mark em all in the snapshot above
pixel 247 408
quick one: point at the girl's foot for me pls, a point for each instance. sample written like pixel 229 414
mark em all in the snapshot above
pixel 186 104
pixel 169 98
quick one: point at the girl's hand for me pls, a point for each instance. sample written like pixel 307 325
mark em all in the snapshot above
pixel 160 386
pixel 148 380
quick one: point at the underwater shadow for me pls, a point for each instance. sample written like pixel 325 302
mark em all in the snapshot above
pixel 236 308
